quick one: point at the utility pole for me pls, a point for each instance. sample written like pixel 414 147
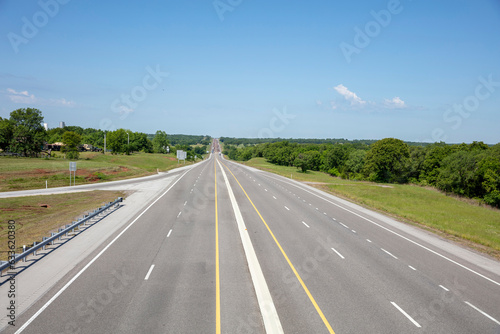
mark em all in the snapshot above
pixel 104 142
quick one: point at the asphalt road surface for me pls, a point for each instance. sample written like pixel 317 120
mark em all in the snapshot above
pixel 228 249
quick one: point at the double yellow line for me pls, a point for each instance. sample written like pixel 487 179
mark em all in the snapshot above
pixel 311 298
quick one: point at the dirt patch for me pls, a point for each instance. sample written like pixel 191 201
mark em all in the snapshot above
pixel 43 171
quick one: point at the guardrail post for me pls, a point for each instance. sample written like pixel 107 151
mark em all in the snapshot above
pixel 44 239
pixel 34 244
pixel 52 234
pixel 60 230
pixel 24 250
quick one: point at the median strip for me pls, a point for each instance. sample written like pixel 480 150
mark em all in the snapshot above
pixel 267 308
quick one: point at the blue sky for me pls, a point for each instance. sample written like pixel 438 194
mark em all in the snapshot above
pixel 415 70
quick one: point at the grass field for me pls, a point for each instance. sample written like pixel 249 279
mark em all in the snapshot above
pixel 32 173
pixel 34 221
pixel 462 221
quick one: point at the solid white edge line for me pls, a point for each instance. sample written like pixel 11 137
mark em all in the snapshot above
pixel 393 232
pixel 169 232
pixel 444 288
pixel 406 314
pixel 341 256
pixel 268 311
pixel 483 313
pixel 51 300
pixel 149 272
pixel 389 253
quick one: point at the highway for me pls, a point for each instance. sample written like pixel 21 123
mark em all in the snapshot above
pixel 229 249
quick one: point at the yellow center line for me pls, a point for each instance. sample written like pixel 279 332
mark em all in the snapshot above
pixel 311 298
pixel 217 275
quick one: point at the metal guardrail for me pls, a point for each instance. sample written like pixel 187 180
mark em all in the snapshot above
pixel 50 240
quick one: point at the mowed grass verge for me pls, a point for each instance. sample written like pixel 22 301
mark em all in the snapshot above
pixel 35 221
pixel 32 173
pixel 462 221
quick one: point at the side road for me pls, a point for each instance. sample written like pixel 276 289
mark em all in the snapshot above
pixel 65 256
pixel 112 185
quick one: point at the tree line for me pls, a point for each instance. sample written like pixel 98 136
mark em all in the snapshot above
pixel 23 134
pixel 255 141
pixel 471 170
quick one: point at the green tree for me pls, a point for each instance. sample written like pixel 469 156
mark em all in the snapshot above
pixel 28 134
pixel 117 141
pixel 336 157
pixel 55 135
pixel 434 156
pixel 386 161
pixel 458 174
pixel 72 141
pixel 160 142
pixel 306 160
pixel 354 164
pixel 6 129
pixel 139 142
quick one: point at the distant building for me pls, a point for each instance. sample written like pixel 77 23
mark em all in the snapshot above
pixel 62 124
pixel 45 126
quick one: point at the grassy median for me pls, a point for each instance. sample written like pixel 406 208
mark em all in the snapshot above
pixel 37 216
pixel 33 173
pixel 461 220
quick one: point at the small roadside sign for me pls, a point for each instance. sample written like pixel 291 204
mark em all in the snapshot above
pixel 72 168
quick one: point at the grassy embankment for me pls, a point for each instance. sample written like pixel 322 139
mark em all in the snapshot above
pixel 37 216
pixel 457 219
pixel 29 173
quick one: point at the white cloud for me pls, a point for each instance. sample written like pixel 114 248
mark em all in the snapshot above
pixel 26 98
pixel 395 103
pixel 348 95
pixel 20 97
pixel 62 102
